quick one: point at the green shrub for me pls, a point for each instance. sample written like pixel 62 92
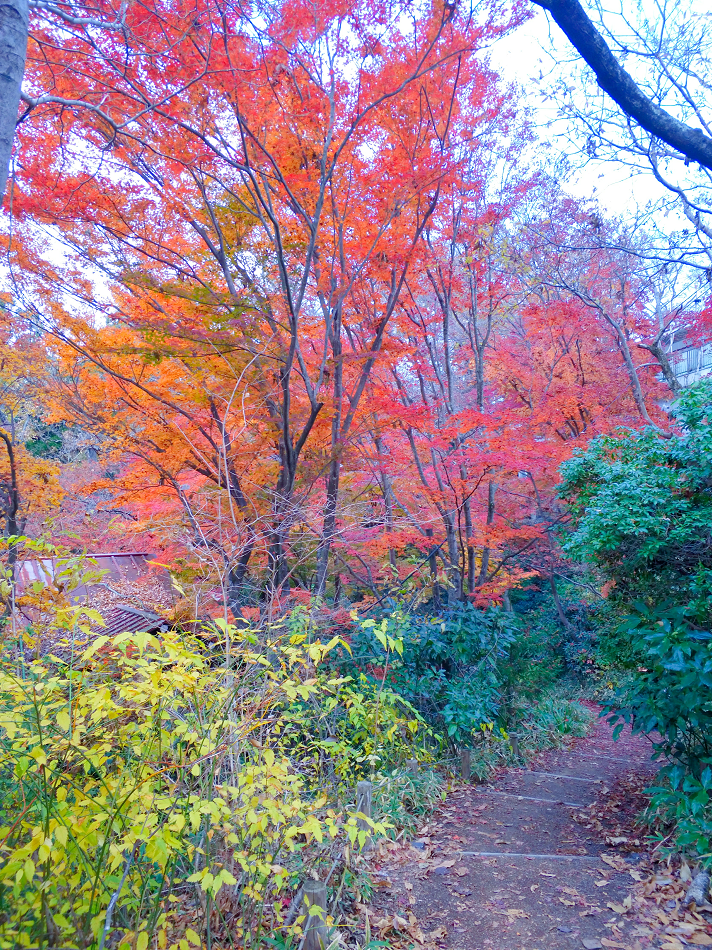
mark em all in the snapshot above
pixel 538 726
pixel 669 699
pixel 641 506
pixel 466 667
pixel 680 810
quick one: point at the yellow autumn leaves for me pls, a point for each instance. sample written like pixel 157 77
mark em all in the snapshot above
pixel 147 767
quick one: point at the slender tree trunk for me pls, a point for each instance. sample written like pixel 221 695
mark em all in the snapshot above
pixel 282 516
pixel 237 589
pixel 433 564
pixel 334 476
pixel 484 566
pixel 387 498
pixel 633 377
pixel 470 554
pixel 11 499
pixel 661 356
pixel 454 590
pixel 329 526
pixel 559 606
pixel 277 562
pixel 14 20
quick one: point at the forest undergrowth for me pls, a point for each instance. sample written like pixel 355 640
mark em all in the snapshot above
pixel 177 790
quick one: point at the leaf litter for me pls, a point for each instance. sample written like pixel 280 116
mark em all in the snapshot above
pixel 651 915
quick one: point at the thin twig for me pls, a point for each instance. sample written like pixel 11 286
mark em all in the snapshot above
pixel 114 900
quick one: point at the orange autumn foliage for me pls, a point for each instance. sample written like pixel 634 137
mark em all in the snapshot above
pixel 323 328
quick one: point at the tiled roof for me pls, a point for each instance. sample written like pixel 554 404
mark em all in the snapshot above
pixel 125 619
pixel 128 566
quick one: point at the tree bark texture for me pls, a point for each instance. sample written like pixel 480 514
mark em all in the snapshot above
pixel 14 20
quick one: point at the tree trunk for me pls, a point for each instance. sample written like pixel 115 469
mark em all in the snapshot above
pixel 661 356
pixel 433 564
pixel 387 499
pixel 11 500
pixel 471 556
pixel 333 479
pixel 329 527
pixel 14 25
pixel 278 568
pixel 484 567
pixel 454 590
pixel 559 606
pixel 236 586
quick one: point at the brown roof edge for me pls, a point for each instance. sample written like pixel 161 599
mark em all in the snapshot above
pixel 122 618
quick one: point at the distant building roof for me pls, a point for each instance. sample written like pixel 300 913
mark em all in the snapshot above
pixel 126 619
pixel 119 566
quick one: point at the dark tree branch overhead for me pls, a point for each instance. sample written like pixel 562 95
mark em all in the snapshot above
pixel 620 85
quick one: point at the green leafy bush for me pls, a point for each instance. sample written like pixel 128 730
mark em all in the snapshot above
pixel 466 668
pixel 544 724
pixel 402 799
pixel 449 668
pixel 642 517
pixel 670 700
pixel 641 506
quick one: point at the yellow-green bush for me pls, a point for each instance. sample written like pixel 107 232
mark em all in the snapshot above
pixel 148 797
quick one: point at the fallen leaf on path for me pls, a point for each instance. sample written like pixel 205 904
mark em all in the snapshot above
pixel 567 903
pixel 438 934
pixel 621 908
pixel 701 940
pixel 513 914
pixel 672 943
pixel 384 924
pixel 613 861
pixel 591 943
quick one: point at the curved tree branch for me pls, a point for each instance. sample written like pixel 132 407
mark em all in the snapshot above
pixel 620 85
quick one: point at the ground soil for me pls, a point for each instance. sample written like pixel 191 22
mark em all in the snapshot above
pixel 546 857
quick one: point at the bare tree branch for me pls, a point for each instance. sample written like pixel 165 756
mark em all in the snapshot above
pixel 620 85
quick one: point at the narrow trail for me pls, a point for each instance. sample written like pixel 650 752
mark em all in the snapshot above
pixel 506 865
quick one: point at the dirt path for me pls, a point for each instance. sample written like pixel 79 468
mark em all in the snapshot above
pixel 506 866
